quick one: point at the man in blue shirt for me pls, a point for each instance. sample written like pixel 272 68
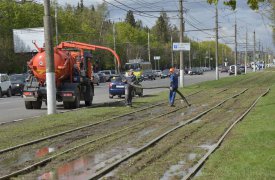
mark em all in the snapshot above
pixel 173 86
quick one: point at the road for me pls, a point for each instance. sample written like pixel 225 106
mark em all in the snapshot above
pixel 13 108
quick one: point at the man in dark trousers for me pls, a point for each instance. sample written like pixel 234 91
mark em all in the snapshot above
pixel 173 86
pixel 130 79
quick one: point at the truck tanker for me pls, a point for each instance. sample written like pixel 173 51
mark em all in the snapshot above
pixel 73 72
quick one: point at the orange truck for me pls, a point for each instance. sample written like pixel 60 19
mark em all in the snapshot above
pixel 73 71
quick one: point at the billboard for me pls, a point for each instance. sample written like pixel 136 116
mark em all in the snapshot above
pixel 23 39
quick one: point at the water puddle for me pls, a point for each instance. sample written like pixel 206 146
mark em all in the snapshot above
pixel 145 132
pixel 44 151
pixel 191 156
pixel 86 166
pixel 204 105
pixel 174 171
pixel 207 146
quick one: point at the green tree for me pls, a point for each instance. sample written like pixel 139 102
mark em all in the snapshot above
pixel 130 19
pixel 162 28
pixel 253 4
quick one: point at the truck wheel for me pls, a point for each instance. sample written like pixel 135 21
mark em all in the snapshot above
pixel 89 103
pixel 9 92
pixel 36 104
pixel 67 105
pixel 28 105
pixel 76 103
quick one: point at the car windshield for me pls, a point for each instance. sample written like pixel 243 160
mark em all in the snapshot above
pixel 17 78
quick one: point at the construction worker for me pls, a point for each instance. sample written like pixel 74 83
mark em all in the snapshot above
pixel 130 80
pixel 173 86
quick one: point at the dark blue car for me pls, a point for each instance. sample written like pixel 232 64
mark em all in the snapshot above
pixel 117 87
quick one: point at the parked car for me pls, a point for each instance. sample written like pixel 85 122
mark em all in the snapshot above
pixel 157 73
pixel 148 76
pixel 109 73
pixel 224 69
pixel 195 71
pixel 17 83
pixel 5 85
pixel 232 70
pixel 102 77
pixel 117 87
pixel 95 79
pixel 164 74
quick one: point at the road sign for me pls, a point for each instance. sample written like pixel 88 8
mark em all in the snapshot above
pixel 181 46
pixel 156 57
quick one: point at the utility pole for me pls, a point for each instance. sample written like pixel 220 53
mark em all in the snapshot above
pixel 190 55
pixel 114 38
pixel 245 58
pixel 254 52
pixel 236 47
pixel 217 43
pixel 181 40
pixel 56 24
pixel 172 52
pixel 149 52
pixel 209 54
pixel 50 71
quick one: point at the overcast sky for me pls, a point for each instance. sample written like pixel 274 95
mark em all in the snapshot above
pixel 200 15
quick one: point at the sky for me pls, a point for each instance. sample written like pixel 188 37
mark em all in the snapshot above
pixel 199 15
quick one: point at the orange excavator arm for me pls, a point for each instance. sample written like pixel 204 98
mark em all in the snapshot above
pixel 79 45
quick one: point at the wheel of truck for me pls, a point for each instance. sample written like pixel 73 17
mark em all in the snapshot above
pixel 67 105
pixel 89 103
pixel 9 92
pixel 76 103
pixel 36 104
pixel 28 105
pixel 1 93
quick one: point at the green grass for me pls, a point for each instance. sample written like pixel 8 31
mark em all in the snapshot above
pixel 249 151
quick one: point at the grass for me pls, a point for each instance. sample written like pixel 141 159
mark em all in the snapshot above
pixel 248 152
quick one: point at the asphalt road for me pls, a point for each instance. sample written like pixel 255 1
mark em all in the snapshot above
pixel 13 108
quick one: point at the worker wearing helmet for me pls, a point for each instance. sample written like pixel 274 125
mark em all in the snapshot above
pixel 173 86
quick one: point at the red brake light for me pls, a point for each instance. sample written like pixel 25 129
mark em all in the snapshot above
pixel 67 94
pixel 27 93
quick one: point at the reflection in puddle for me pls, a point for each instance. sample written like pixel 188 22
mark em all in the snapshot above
pixel 207 146
pixel 145 132
pixel 175 170
pixel 44 151
pixel 86 166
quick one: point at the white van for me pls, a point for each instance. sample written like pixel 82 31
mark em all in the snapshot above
pixel 5 85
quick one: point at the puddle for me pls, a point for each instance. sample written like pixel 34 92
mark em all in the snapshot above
pixel 207 146
pixel 204 105
pixel 145 132
pixel 174 171
pixel 191 156
pixel 85 167
pixel 44 151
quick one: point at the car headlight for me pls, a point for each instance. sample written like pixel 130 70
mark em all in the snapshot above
pixel 17 85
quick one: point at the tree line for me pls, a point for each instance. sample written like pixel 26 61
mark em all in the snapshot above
pixel 91 25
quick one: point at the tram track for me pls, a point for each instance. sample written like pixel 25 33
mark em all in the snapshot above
pixel 87 126
pixel 108 135
pixel 189 140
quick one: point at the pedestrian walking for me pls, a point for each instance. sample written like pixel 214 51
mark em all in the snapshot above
pixel 173 86
pixel 129 88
